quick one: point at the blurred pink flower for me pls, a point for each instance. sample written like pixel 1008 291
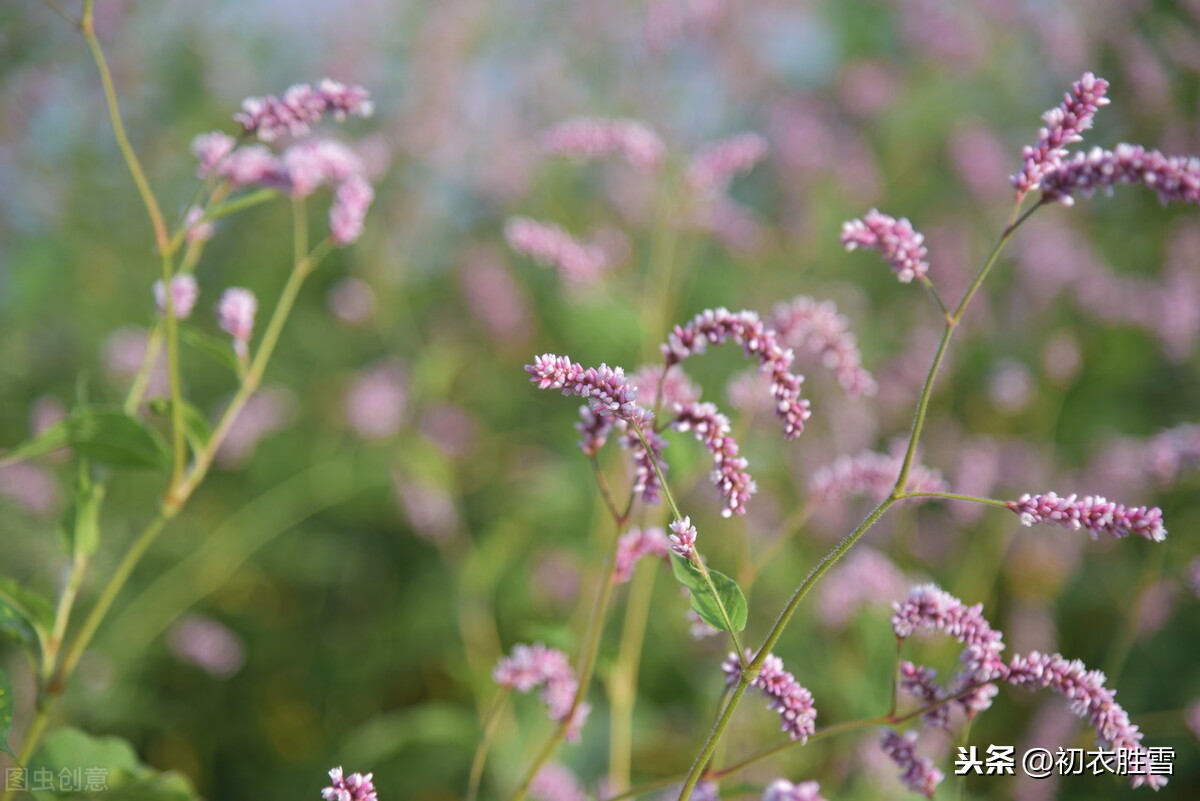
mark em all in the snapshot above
pixel 184 292
pixel 122 355
pixel 47 411
pixel 352 301
pixel 864 578
pixel 376 402
pixel 268 410
pixel 1010 386
pixel 429 509
pixel 451 428
pixel 981 161
pixel 594 137
pixel 494 298
pixel 550 245
pixel 714 167
pixel 32 487
pixel 867 87
pixel 556 782
pixel 207 644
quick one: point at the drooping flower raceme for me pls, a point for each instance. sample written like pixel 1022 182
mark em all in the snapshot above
pixel 1065 125
pixel 548 244
pixel 355 787
pixel 301 106
pixel 595 137
pixel 1090 700
pixel 729 467
pixel 184 291
pixel 917 773
pixel 896 240
pixel 635 544
pixel 532 666
pixel 932 609
pixel 720 325
pixel 794 703
pixel 921 683
pixel 1174 178
pixel 713 168
pixel 817 327
pixel 871 474
pixel 1093 512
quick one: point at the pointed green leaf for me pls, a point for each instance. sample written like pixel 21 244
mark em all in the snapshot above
pixel 206 343
pixel 67 752
pixel 702 598
pixel 109 435
pixel 6 713
pixel 50 440
pixel 195 424
pixel 79 529
pixel 25 616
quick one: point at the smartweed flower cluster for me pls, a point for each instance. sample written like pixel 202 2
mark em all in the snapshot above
pixel 661 398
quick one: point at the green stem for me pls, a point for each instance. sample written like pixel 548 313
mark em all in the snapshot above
pixel 171 325
pixel 490 726
pixel 623 685
pixel 695 558
pixel 86 25
pixel 62 12
pixel 587 667
pixel 750 672
pixel 953 496
pixel 224 210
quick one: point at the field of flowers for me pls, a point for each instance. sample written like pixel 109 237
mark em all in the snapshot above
pixel 879 465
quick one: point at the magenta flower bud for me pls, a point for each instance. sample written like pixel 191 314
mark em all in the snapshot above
pixel 683 538
pixel 1093 512
pixel 714 167
pixel 235 313
pixel 184 292
pixel 917 773
pixel 1065 125
pixel 592 137
pixel 355 787
pixel 895 240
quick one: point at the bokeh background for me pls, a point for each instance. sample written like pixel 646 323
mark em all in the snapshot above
pixel 400 506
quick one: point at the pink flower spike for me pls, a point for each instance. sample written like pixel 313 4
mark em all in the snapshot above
pixel 1065 125
pixel 729 467
pixel 785 695
pixel 1090 700
pixel 921 683
pixel 783 790
pixel 529 667
pixel 895 240
pixel 714 168
pixel 917 773
pixel 548 244
pixel 313 163
pixel 587 138
pixel 355 787
pixel 350 204
pixel 932 609
pixel 301 106
pixel 253 165
pixel 184 292
pixel 1174 178
pixel 818 328
pixel 683 538
pixel 556 782
pixel 635 544
pixel 1093 512
pixel 720 325
pixel 210 149
pixel 236 313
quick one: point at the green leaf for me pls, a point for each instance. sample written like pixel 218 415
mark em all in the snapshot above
pixel 109 435
pixel 6 713
pixel 204 342
pixel 25 616
pixel 50 440
pixel 702 598
pixel 74 764
pixel 79 529
pixel 195 424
